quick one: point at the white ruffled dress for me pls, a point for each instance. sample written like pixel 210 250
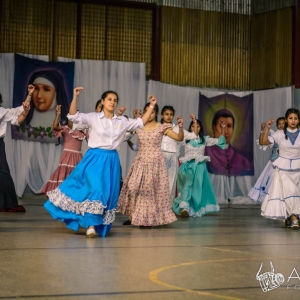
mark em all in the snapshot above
pixel 283 199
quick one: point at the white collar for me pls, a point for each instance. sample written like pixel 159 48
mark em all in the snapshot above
pixel 102 115
pixel 292 130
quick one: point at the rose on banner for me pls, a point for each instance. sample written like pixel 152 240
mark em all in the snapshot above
pixel 237 113
pixel 53 83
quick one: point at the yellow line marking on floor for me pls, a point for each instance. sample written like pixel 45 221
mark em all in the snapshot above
pixel 227 250
pixel 153 276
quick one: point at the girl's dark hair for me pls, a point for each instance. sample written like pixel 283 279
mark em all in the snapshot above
pixel 105 94
pixel 1 100
pixel 201 133
pixel 61 97
pixel 277 121
pixel 156 109
pixel 166 107
pixel 97 103
pixel 288 112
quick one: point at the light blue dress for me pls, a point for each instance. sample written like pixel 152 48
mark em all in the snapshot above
pixel 195 190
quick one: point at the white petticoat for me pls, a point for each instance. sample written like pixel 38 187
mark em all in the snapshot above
pixel 261 188
pixel 283 199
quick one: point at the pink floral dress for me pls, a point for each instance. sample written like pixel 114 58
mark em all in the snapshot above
pixel 145 192
pixel 70 156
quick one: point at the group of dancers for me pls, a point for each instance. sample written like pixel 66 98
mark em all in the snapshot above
pixel 90 195
pixel 87 191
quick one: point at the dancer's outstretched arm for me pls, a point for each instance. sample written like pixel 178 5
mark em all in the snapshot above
pixel 73 106
pixel 148 113
pixel 177 136
pixel 263 137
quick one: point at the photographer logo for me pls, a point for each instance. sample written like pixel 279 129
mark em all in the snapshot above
pixel 269 280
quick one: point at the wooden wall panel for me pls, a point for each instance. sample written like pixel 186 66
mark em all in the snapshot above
pixel 204 48
pixel 271 49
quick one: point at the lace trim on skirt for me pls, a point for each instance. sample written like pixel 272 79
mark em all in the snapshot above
pixel 204 210
pixel 109 216
pixel 65 203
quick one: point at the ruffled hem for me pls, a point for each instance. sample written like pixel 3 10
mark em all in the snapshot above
pixel 62 201
pixel 50 186
pixel 263 183
pixel 102 223
pixel 61 173
pixel 280 208
pixel 203 211
pixel 140 217
pixel 198 158
pixel 287 164
pixel 257 195
pixel 283 200
pixel 164 219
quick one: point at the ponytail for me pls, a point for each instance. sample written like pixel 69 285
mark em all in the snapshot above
pixel 285 129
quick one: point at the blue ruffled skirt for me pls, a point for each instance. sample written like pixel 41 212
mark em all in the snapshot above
pixel 89 195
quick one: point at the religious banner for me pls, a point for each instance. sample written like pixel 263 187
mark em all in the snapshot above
pixel 237 114
pixel 53 83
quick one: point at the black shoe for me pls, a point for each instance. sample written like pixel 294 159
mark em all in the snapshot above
pixel 145 227
pixel 288 222
pixel 128 222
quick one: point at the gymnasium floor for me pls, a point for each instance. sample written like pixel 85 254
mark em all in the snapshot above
pixel 214 257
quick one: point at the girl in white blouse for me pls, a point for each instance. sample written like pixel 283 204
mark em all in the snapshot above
pixel 170 148
pixel 89 196
pixel 283 199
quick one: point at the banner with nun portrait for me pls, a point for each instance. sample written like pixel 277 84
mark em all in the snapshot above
pixel 237 114
pixel 53 83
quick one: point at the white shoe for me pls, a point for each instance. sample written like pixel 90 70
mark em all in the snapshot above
pixel 91 232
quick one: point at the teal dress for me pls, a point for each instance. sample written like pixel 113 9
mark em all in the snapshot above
pixel 195 191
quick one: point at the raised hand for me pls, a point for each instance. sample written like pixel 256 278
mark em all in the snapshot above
pixel 152 100
pixel 78 90
pixel 30 89
pixel 121 110
pixel 193 117
pixel 26 106
pixel 263 125
pixel 180 121
pixel 137 113
pixel 269 123
pixel 222 124
pixel 58 109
